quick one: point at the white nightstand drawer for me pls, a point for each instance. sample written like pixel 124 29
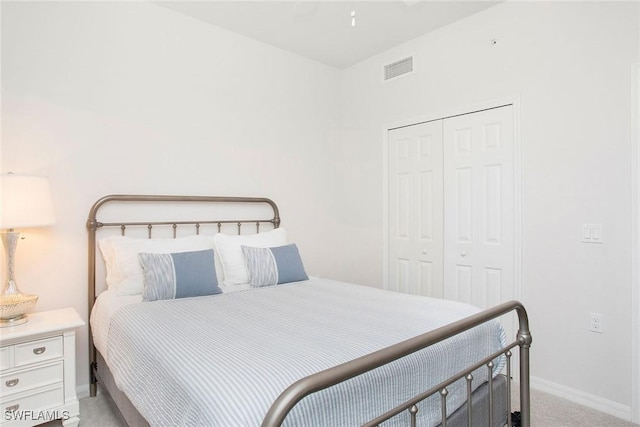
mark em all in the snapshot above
pixel 38 375
pixel 47 398
pixel 5 358
pixel 28 379
pixel 38 351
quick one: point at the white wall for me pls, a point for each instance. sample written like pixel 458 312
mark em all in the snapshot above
pixel 570 64
pixel 115 97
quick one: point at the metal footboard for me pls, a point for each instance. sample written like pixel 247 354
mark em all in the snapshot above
pixel 322 380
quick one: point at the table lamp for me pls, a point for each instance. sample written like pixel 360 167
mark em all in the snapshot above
pixel 25 202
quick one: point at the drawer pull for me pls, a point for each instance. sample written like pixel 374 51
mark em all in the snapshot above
pixel 12 383
pixel 12 408
pixel 39 350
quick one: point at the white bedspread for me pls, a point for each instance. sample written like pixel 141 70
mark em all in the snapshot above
pixel 109 301
pixel 222 360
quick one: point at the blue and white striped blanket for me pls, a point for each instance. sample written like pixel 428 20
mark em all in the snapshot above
pixel 222 360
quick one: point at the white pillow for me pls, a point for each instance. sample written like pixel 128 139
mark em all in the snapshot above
pixel 230 251
pixel 120 253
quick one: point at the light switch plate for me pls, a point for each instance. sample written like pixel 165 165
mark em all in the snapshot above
pixel 592 233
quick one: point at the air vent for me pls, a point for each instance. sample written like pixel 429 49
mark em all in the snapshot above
pixel 398 68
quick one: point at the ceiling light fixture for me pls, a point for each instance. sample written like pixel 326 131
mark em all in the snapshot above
pixel 353 18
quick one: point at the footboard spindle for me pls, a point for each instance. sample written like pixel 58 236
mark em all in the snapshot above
pixel 508 355
pixel 490 382
pixel 469 379
pixel 414 415
pixel 443 406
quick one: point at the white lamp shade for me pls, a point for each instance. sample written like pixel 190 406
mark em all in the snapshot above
pixel 25 201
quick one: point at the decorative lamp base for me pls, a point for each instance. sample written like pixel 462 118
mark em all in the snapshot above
pixel 14 321
pixel 13 308
pixel 13 304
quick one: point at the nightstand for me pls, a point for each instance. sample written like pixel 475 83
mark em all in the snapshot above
pixel 38 370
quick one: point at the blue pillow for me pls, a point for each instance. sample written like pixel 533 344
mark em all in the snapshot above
pixel 273 266
pixel 178 275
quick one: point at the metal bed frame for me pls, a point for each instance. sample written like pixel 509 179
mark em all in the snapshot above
pixel 321 380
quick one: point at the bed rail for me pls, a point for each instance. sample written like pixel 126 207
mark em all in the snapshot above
pixel 93 224
pixel 321 380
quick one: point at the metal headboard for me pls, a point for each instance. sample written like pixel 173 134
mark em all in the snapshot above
pixel 93 225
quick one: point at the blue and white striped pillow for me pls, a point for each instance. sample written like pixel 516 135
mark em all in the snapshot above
pixel 273 266
pixel 178 275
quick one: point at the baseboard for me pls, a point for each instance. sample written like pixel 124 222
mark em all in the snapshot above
pixel 82 391
pixel 585 399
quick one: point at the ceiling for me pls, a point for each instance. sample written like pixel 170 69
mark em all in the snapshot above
pixel 322 30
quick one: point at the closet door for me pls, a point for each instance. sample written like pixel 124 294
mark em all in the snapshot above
pixel 415 262
pixel 479 207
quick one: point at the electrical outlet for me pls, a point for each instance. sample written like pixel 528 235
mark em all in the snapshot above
pixel 595 322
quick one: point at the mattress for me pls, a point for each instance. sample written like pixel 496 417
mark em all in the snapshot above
pixel 223 359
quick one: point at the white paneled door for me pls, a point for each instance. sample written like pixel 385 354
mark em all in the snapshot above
pixel 416 209
pixel 451 207
pixel 479 207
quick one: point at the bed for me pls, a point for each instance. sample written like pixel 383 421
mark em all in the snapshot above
pixel 216 323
